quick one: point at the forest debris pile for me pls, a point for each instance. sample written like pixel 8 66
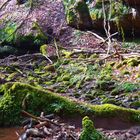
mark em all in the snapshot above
pixel 49 129
pixel 53 128
pixel 129 134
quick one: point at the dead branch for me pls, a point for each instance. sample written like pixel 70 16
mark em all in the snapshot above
pixel 102 43
pixel 57 50
pixel 39 118
pixel 48 59
pixel 106 22
pixel 97 36
pixel 42 124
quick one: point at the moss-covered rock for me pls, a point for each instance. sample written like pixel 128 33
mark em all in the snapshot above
pixel 89 132
pixel 18 96
pixel 133 62
pixel 109 101
pixel 50 68
pixel 135 104
pixel 105 85
pixel 19 30
pixel 119 17
pixel 126 87
pixel 77 14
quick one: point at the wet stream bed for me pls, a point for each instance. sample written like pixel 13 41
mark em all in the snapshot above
pixel 112 128
pixel 9 133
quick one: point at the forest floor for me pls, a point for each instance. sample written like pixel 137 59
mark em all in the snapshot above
pixel 81 69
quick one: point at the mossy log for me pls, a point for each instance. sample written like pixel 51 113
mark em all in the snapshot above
pixel 34 99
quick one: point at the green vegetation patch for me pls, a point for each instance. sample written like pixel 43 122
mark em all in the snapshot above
pixel 18 96
pixel 118 10
pixel 89 132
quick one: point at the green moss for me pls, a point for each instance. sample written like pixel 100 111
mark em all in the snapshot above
pixel 130 62
pixel 106 73
pixel 119 65
pixel 93 56
pixel 67 54
pixel 66 77
pixel 12 76
pixel 138 75
pixel 117 10
pixel 111 64
pixel 110 101
pixel 48 102
pixel 135 104
pixel 125 87
pixel 125 72
pixel 133 62
pixel 116 90
pixel 81 56
pixel 48 83
pixel 89 132
pixel 6 33
pixel 77 80
pixel 105 85
pixel 39 100
pixel 70 17
pixel 43 49
pixel 69 11
pixel 129 87
pixel 50 68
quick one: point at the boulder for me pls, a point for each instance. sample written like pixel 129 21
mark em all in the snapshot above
pixel 29 24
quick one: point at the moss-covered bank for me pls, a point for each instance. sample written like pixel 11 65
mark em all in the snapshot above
pixel 18 96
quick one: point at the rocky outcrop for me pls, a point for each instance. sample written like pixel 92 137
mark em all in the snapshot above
pixel 30 24
pixel 123 16
pixel 79 16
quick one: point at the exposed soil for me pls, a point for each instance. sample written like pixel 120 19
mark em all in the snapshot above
pixel 9 133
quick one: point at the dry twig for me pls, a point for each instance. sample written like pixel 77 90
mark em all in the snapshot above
pixel 39 118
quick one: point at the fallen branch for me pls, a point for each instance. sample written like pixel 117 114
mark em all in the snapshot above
pixel 48 59
pixel 57 50
pixel 97 36
pixel 102 43
pixel 38 118
pixel 42 124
